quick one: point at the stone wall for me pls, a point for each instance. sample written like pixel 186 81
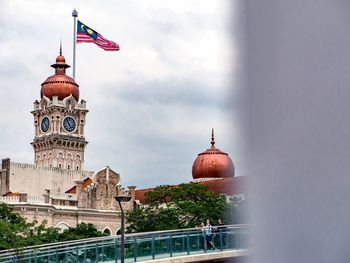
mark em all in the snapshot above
pixel 5 176
pixel 70 216
pixel 33 179
pixel 101 194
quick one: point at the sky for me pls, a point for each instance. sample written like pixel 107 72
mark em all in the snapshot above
pixel 152 104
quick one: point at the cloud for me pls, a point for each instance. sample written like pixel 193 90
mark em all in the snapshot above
pixel 152 104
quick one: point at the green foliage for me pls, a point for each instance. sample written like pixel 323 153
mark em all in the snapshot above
pixel 81 231
pixel 236 211
pixel 15 232
pixel 176 207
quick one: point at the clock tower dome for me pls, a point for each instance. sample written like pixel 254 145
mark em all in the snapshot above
pixel 59 120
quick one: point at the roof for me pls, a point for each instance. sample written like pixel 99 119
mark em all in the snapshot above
pixel 11 194
pixel 86 183
pixel 226 186
pixel 140 194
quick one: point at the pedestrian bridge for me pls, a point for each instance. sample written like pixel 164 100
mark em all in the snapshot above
pixel 186 245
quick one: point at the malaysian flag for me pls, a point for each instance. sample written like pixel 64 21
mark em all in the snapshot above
pixel 86 34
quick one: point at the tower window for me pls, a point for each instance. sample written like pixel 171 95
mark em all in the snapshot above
pixel 77 167
pixel 68 167
pixel 59 165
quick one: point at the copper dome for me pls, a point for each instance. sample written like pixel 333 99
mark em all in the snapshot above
pixel 213 163
pixel 60 84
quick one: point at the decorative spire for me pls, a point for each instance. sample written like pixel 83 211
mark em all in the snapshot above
pixel 60 46
pixel 212 138
pixel 60 65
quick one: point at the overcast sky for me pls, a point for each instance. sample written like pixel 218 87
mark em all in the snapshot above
pixel 151 105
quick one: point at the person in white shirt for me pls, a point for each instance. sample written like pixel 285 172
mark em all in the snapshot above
pixel 208 231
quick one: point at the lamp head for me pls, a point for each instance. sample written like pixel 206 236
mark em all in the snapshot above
pixel 123 198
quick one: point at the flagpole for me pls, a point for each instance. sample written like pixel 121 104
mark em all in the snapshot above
pixel 74 15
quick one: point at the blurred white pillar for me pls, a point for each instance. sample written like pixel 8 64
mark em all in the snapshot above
pixel 297 68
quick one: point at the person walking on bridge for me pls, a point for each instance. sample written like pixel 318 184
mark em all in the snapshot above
pixel 208 231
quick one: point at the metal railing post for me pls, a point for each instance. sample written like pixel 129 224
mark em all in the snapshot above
pixel 135 249
pixel 171 245
pixel 152 247
pixel 116 251
pixel 183 243
pixel 102 253
pixel 220 240
pixel 97 256
pixel 188 243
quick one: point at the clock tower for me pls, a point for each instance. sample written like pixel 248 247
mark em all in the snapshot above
pixel 59 120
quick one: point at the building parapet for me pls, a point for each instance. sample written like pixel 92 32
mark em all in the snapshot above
pixel 56 169
pixel 35 199
pixel 198 180
pixel 63 196
pixel 9 199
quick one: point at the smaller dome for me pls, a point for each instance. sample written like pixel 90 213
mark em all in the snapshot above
pixel 60 84
pixel 213 163
pixel 60 60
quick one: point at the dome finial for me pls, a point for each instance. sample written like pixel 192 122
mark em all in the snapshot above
pixel 212 138
pixel 60 46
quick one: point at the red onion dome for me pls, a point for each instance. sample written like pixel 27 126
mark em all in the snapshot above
pixel 213 163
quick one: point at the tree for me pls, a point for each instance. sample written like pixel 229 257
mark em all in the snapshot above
pixel 176 207
pixel 81 231
pixel 15 232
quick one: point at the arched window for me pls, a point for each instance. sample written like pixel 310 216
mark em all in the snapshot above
pixel 62 226
pixel 107 231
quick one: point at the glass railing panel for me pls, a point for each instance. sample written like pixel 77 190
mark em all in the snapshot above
pixel 44 256
pixel 142 248
pixel 220 238
pixel 196 242
pixel 129 251
pixel 108 251
pixel 162 246
pixel 91 253
pixel 179 245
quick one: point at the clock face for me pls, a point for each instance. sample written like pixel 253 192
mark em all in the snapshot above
pixel 45 124
pixel 69 124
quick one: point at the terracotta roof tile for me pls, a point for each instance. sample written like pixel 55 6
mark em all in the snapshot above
pixel 11 194
pixel 86 183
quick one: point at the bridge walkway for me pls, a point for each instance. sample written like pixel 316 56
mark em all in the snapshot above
pixel 187 244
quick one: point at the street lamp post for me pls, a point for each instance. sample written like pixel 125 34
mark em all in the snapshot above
pixel 120 199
